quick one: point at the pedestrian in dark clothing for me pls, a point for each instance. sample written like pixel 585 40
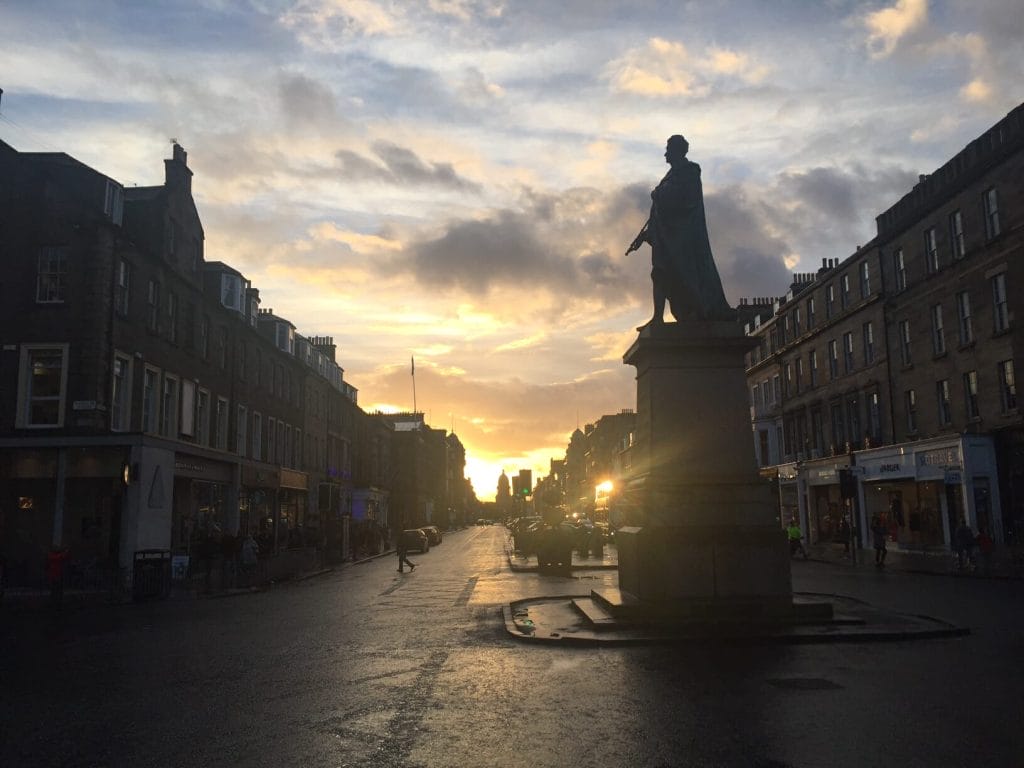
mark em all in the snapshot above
pixel 403 550
pixel 879 534
pixel 844 534
pixel 963 543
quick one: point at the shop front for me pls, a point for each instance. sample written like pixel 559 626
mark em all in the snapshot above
pixel 825 505
pixel 920 491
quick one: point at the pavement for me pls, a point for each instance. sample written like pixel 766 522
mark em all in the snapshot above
pixel 576 620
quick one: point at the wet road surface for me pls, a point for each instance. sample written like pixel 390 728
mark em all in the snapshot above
pixel 369 667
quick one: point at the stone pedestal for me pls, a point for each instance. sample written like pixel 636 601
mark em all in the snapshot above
pixel 709 543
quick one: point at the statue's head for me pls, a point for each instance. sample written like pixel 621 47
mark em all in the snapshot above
pixel 676 148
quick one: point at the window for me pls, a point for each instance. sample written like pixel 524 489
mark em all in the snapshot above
pixel 905 356
pixel 259 368
pixel 113 202
pixel 42 385
pixel 257 436
pixel 875 418
pixel 172 317
pixel 810 313
pixel 297 462
pixel 220 425
pixel 938 334
pixel 52 275
pixel 844 296
pixel 285 338
pixel 232 292
pixel 963 312
pixel 853 418
pixel 990 202
pixel 271 439
pixel 812 366
pixel 869 343
pixel 190 326
pixel 188 407
pixel 121 394
pixel 789 379
pixel 1000 309
pixel 799 374
pixel 288 447
pixel 776 389
pixel 796 322
pixel 956 234
pixel 942 399
pixel 204 337
pixel 150 383
pixel 833 359
pixel 848 362
pixel 899 268
pixel 203 417
pixel 830 300
pixel 240 359
pixel 865 279
pixel 169 411
pixel 910 399
pixel 838 428
pixel 931 251
pixel 1007 386
pixel 241 425
pixel 280 442
pixel 971 394
pixel 153 302
pixel 817 430
pixel 222 347
pixel 122 287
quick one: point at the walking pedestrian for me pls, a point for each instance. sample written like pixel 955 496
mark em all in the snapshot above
pixel 879 534
pixel 795 536
pixel 963 543
pixel 844 535
pixel 985 547
pixel 403 550
pixel 250 557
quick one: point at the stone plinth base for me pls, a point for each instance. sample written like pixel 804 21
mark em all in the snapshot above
pixel 706 571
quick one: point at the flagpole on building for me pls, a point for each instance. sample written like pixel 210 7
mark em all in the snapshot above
pixel 413 371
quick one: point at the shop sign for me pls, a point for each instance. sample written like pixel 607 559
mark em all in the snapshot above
pixel 954 477
pixel 939 457
pixel 291 478
pixel 83 405
pixel 822 476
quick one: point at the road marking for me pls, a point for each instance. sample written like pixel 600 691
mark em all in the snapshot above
pixel 467 591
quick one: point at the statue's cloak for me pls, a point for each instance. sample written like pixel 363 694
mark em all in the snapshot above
pixel 681 251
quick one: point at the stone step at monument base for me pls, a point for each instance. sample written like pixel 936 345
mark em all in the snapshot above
pixel 613 608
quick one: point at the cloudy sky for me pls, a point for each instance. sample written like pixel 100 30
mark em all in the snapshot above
pixel 457 179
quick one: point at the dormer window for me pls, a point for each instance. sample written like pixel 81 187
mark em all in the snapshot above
pixel 285 338
pixel 232 289
pixel 113 202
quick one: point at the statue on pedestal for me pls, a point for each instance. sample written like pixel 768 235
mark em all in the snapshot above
pixel 684 270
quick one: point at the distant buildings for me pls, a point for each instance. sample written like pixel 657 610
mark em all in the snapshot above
pixel 895 368
pixel 147 401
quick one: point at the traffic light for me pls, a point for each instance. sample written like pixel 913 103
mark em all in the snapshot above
pixel 847 484
pixel 525 482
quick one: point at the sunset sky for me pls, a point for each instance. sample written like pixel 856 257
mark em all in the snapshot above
pixel 458 179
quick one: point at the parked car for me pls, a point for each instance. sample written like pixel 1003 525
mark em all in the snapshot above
pixel 415 540
pixel 433 534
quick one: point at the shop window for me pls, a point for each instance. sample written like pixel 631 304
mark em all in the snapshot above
pixel 42 385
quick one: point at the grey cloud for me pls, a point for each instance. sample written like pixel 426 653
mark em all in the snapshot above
pixel 406 166
pixel 398 165
pixel 305 100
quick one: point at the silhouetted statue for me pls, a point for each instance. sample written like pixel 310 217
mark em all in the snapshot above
pixel 684 270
